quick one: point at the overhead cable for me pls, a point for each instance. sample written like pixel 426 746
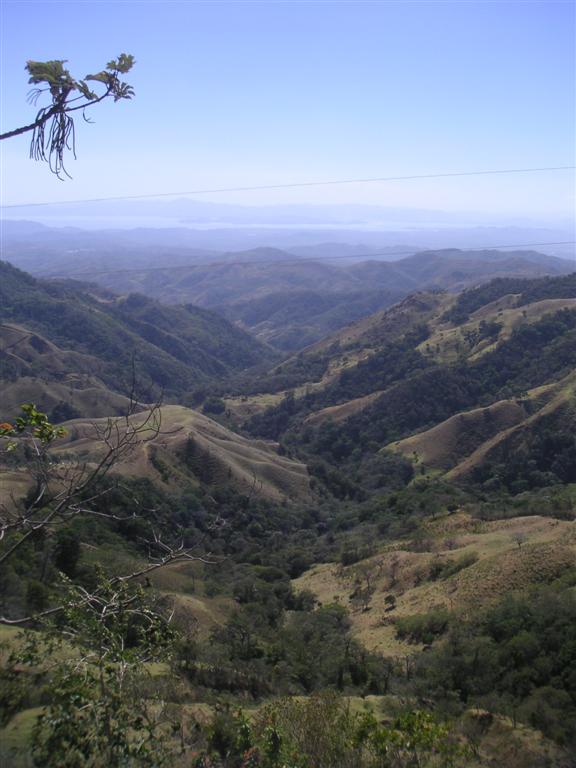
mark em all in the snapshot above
pixel 293 185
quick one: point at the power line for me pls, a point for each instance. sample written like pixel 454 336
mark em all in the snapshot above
pixel 295 185
pixel 365 256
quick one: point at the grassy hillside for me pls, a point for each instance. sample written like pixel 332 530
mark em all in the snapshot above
pixel 457 563
pixel 173 348
pixel 456 385
pixel 463 441
pixel 322 362
pixel 187 449
pixel 63 383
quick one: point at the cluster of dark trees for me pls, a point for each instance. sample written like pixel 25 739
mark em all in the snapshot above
pixel 518 658
pixel 545 456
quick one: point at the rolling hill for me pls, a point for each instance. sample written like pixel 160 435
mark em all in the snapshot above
pixel 293 302
pixel 469 440
pixel 188 450
pixel 61 382
pixel 67 347
pixel 79 329
pixel 283 296
pixel 489 564
pixel 459 396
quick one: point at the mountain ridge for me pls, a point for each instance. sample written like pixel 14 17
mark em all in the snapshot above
pixel 176 348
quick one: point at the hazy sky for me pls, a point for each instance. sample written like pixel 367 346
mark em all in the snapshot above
pixel 235 93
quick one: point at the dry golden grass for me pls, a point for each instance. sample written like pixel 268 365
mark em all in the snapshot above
pixel 199 615
pixel 444 445
pixel 559 396
pixel 488 311
pixel 503 744
pixel 511 555
pixel 491 578
pixel 440 449
pixel 337 364
pixel 358 341
pixel 338 413
pixel 243 408
pixel 463 441
pixel 31 350
pixel 84 394
pixel 14 483
pixel 250 466
pixel 32 353
pixel 447 344
pixel 388 324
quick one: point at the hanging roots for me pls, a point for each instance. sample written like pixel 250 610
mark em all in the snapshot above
pixel 50 145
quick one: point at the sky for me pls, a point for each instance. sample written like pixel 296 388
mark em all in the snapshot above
pixel 254 93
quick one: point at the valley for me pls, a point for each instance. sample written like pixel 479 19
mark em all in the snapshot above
pixel 289 295
pixel 363 515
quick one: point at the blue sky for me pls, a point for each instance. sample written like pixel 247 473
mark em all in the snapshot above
pixel 235 93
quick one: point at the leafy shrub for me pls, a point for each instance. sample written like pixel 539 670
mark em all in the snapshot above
pixel 423 627
pixel 443 569
pixel 214 405
pixel 321 731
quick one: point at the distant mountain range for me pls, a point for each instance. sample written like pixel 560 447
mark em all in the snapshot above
pixel 476 387
pixel 291 302
pixel 200 212
pixel 454 383
pixel 289 298
pixel 329 238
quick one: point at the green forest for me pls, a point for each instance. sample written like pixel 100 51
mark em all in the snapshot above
pixel 392 582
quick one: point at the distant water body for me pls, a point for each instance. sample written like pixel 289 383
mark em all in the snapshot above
pixel 151 222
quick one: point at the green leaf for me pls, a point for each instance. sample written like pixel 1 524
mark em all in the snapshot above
pixel 51 72
pixel 85 91
pixel 101 77
pixel 124 63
